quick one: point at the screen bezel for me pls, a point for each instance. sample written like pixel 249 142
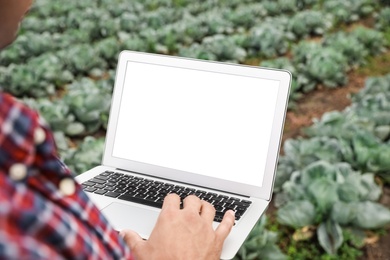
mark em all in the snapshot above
pixel 265 189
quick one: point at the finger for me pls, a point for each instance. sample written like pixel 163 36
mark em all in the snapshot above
pixel 192 203
pixel 131 238
pixel 225 226
pixel 207 211
pixel 171 201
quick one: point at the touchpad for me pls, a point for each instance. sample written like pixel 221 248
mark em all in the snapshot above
pixel 138 219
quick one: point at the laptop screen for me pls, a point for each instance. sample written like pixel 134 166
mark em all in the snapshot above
pixel 208 123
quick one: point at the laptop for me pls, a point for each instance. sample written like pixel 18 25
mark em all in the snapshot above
pixel 188 126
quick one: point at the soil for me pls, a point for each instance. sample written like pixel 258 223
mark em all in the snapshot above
pixel 314 105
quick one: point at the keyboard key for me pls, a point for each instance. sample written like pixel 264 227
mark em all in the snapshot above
pixel 218 208
pixel 106 173
pixel 100 192
pixel 218 219
pixel 139 196
pixel 219 214
pixel 232 207
pixel 152 203
pixel 112 194
pixel 88 183
pixel 90 189
pixel 97 181
pixel 102 177
pixel 120 191
pixel 100 186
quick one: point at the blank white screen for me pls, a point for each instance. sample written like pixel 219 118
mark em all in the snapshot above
pixel 207 123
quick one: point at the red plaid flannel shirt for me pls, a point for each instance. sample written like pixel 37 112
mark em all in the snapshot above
pixel 38 220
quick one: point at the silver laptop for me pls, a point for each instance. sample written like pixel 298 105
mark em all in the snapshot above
pixel 190 127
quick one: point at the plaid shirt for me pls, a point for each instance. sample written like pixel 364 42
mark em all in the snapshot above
pixel 40 218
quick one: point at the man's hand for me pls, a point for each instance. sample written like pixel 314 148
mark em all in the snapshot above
pixel 182 233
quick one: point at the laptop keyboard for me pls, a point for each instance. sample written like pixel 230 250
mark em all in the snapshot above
pixel 152 193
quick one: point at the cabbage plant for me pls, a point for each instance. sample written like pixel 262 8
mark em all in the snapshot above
pixel 354 50
pixel 286 7
pixel 261 244
pixel 57 114
pixel 383 19
pixel 27 45
pixel 331 197
pixel 373 40
pixel 310 23
pixel 39 77
pixel 89 103
pixel 298 153
pixel 217 47
pixel 225 48
pixel 321 65
pixel 268 39
pixel 349 10
pixel 246 16
pixel 87 155
pixel 82 58
pixel 108 49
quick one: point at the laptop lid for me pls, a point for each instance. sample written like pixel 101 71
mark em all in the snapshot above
pixel 210 124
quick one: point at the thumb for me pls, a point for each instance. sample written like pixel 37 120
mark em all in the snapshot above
pixel 225 226
pixel 131 238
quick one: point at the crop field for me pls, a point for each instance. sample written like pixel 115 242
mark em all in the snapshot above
pixel 331 180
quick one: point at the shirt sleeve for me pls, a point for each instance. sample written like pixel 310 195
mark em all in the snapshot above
pixel 44 213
